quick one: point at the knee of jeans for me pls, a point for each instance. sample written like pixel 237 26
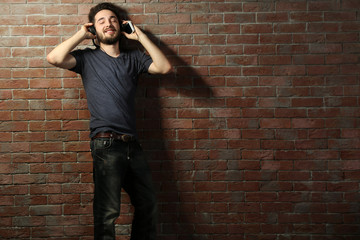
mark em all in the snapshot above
pixel 106 213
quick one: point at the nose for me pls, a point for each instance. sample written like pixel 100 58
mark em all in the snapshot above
pixel 108 23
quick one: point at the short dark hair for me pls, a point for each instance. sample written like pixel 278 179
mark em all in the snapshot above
pixel 120 13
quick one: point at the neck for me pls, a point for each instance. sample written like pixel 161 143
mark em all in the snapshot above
pixel 111 50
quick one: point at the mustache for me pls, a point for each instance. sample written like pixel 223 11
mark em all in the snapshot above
pixel 111 27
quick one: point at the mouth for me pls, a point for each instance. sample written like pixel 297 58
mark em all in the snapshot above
pixel 110 31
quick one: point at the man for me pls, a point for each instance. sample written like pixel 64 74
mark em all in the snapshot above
pixel 110 77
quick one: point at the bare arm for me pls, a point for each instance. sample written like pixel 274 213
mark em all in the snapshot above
pixel 60 56
pixel 161 64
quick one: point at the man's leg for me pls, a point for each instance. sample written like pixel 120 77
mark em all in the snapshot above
pixel 138 184
pixel 109 169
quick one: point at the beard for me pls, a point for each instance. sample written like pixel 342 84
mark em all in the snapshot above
pixel 109 40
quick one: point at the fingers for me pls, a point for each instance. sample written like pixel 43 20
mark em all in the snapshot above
pixel 88 33
pixel 135 34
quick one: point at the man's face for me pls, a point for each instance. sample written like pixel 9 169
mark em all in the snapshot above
pixel 107 27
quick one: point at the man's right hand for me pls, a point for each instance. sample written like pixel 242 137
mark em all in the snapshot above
pixel 87 33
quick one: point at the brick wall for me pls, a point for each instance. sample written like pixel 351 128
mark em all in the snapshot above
pixel 255 135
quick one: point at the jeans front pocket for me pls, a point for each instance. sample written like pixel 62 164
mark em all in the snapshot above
pixel 101 143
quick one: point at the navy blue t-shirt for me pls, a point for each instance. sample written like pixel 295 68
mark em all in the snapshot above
pixel 110 85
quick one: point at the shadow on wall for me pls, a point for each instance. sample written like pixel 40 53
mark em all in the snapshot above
pixel 167 106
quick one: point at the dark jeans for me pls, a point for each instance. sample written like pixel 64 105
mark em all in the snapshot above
pixel 117 165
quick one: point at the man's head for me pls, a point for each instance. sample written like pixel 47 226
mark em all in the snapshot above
pixel 118 11
pixel 107 18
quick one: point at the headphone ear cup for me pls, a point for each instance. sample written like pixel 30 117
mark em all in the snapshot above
pixel 92 30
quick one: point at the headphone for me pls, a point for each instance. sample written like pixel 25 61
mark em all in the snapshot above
pixel 93 31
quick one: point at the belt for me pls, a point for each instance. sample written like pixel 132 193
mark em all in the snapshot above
pixel 116 136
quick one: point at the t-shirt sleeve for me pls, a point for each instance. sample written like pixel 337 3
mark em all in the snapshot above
pixel 77 54
pixel 144 61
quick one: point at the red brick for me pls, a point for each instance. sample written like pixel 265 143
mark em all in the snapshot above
pixel 227 50
pixel 294 113
pixel 275 123
pixel 291 6
pixel 218 229
pixel 27 9
pixel 215 186
pixel 350 154
pixel 225 71
pixel 272 17
pixel 207 18
pixel 209 60
pixel 340 16
pixel 194 7
pixel 277 144
pixel 242 123
pixel 293 48
pixel 290 155
pixel 311 144
pixel 222 112
pixel 276 38
pixel 257 28
pixel 27 31
pixel 176 123
pixel 258 6
pixel 160 7
pixel 306 16
pixel 261 197
pixel 13 126
pixel 243 39
pixel 259 91
pixel 29 52
pixel 275 60
pixel 261 113
pixel 225 29
pixel 256 71
pixel 259 176
pixel 242 60
pixel 29 94
pixel 48 231
pixel 350 4
pixel 341 187
pixel 290 27
pixel 225 7
pixel 307 102
pixel 209 39
pixel 193 134
pixel 175 19
pixel 28 73
pixel 62 220
pixel 307 123
pixel 192 29
pixel 225 92
pixel 321 6
pixel 289 70
pixel 13 62
pixel 5 94
pixel 77 188
pixel 323 27
pixel 241 102
pixel 193 113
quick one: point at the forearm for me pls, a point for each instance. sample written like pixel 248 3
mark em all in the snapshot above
pixel 60 55
pixel 161 63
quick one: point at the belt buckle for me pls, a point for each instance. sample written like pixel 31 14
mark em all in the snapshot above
pixel 125 138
